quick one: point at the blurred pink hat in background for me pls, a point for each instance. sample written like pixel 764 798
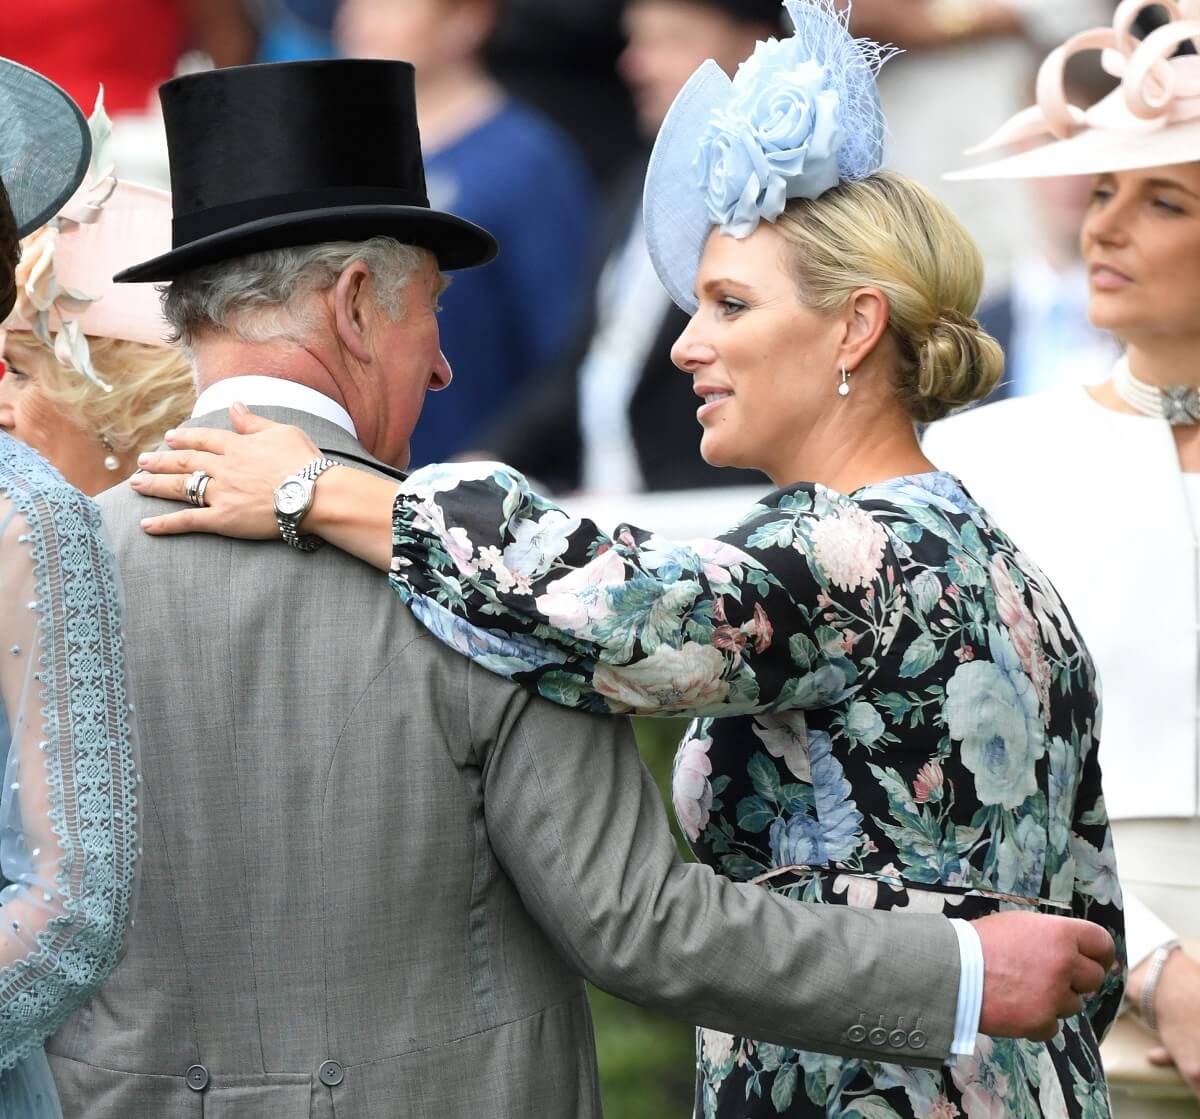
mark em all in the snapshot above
pixel 64 278
pixel 133 223
pixel 1151 120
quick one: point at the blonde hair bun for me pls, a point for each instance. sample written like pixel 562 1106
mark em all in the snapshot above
pixel 889 232
pixel 958 363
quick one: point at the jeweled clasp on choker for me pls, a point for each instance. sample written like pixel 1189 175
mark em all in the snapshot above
pixel 1179 405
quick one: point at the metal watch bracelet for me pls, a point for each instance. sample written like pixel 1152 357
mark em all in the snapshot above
pixel 288 530
pixel 1154 971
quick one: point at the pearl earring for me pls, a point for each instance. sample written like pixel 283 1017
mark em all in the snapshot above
pixel 844 387
pixel 111 462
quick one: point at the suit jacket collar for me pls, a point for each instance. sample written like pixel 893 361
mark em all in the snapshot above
pixel 332 440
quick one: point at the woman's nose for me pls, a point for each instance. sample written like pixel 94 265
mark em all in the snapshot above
pixel 1105 224
pixel 690 351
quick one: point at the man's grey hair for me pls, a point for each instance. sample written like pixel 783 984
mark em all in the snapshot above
pixel 265 295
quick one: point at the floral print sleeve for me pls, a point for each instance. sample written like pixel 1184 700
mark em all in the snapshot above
pixel 915 727
pixel 1096 890
pixel 791 609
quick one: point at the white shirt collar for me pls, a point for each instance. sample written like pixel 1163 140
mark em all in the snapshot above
pixel 258 391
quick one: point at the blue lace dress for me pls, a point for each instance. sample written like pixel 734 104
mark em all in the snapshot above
pixel 68 813
pixel 894 711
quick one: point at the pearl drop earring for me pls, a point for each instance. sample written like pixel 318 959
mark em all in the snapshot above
pixel 111 462
pixel 844 387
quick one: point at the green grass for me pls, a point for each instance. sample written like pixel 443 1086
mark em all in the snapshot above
pixel 646 1060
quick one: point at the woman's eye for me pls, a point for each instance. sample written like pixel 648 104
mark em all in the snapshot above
pixel 1101 195
pixel 1169 207
pixel 730 306
pixel 12 371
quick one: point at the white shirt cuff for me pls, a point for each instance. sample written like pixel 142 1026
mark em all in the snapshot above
pixel 970 990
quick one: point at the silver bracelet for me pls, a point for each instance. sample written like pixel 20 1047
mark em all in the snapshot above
pixel 1158 961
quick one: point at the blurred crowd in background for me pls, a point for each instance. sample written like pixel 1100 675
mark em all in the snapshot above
pixel 536 119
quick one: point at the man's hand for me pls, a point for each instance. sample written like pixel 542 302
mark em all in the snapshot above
pixel 1037 970
pixel 1177 1006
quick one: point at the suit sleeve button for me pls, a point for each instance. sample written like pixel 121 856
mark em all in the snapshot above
pixel 331 1074
pixel 878 1036
pixel 917 1039
pixel 197 1078
pixel 856 1035
pixel 898 1039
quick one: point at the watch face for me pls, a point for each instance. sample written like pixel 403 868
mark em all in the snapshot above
pixel 291 497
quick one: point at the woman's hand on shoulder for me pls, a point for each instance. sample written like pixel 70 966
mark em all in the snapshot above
pixel 244 467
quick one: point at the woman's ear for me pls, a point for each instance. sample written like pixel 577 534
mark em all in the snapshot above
pixel 867 315
pixel 353 299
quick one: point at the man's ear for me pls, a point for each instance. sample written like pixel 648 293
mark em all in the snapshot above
pixel 353 308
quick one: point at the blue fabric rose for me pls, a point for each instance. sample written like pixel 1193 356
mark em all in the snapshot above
pixel 733 174
pixel 778 139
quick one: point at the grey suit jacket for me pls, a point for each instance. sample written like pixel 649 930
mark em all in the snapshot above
pixel 375 876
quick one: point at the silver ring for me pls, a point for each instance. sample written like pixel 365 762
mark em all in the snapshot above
pixel 194 482
pixel 201 490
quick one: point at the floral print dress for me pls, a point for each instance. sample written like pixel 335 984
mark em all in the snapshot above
pixel 894 710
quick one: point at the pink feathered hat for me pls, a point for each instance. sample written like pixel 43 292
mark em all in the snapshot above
pixel 65 290
pixel 66 267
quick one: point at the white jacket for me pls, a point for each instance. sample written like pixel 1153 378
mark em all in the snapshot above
pixel 1096 498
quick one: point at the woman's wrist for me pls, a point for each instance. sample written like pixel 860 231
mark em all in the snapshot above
pixel 329 497
pixel 352 510
pixel 1146 981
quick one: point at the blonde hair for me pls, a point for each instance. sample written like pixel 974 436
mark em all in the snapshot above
pixel 888 232
pixel 153 390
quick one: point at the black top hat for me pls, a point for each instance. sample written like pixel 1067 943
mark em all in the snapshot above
pixel 297 153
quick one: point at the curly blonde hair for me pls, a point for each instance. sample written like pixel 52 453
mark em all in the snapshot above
pixel 889 232
pixel 153 390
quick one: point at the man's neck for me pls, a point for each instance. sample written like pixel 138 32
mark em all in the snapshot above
pixel 219 359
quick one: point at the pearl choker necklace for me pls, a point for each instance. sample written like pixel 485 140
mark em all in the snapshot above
pixel 1179 405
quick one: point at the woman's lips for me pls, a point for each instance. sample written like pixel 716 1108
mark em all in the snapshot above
pixel 1105 278
pixel 713 399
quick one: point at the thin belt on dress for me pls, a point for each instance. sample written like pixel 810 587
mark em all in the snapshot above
pixel 867 890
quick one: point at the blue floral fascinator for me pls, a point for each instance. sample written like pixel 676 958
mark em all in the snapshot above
pixel 800 115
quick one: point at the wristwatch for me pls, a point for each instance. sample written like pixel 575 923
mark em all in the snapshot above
pixel 1154 970
pixel 293 499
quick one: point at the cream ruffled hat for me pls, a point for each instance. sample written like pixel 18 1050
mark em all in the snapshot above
pixel 65 290
pixel 1151 120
